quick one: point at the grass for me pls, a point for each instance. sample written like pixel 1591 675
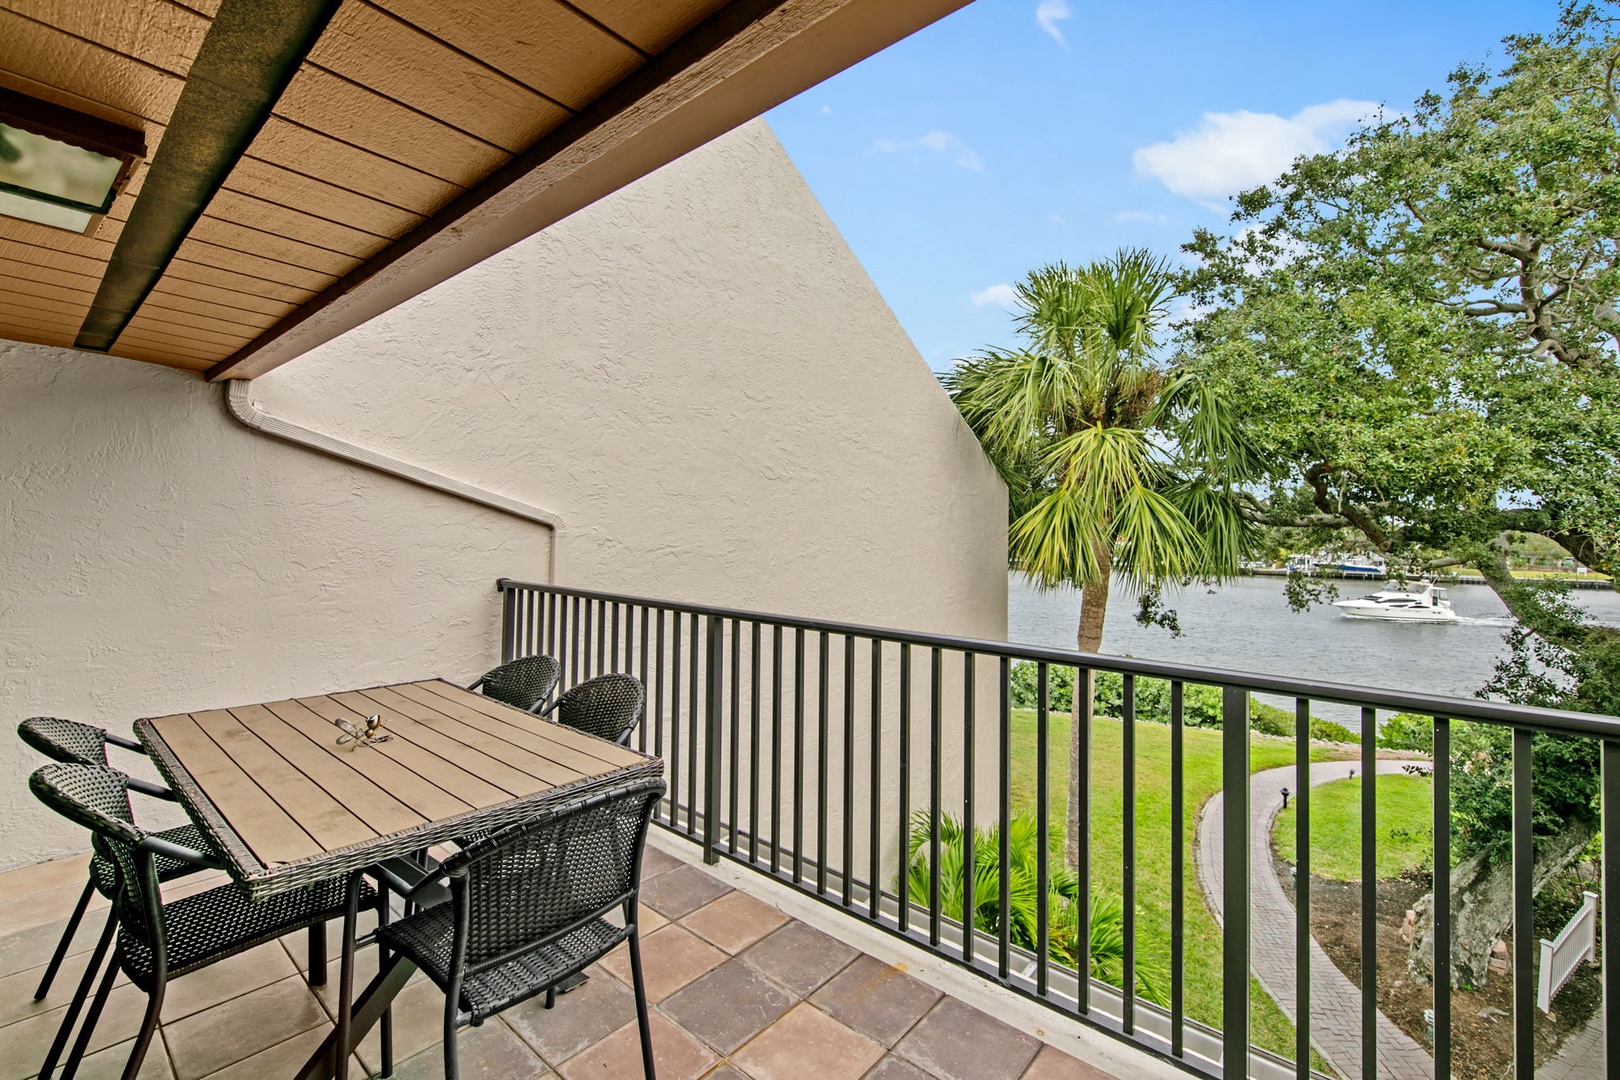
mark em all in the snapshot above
pixel 1405 832
pixel 1269 1027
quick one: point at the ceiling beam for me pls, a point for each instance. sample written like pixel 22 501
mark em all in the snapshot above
pixel 249 55
pixel 747 58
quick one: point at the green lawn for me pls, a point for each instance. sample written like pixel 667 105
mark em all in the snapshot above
pixel 1405 831
pixel 1270 1028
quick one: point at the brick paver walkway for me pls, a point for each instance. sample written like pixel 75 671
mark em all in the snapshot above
pixel 1581 1056
pixel 1335 1000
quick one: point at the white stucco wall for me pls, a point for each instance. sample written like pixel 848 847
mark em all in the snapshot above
pixel 695 374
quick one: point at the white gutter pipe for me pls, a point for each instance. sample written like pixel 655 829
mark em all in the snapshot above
pixel 240 404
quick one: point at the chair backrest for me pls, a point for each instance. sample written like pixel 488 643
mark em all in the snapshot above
pixel 65 740
pixel 523 683
pixel 607 706
pixel 98 798
pixel 534 881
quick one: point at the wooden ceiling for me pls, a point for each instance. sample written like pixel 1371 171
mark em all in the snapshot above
pixel 415 138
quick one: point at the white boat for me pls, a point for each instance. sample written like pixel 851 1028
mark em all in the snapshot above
pixel 1425 604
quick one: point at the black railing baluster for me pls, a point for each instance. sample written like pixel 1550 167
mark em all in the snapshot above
pixel 905 788
pixel 1004 822
pixel 602 638
pixel 1442 898
pixel 1178 873
pixel 1080 821
pixel 658 708
pixel 849 769
pixel 674 773
pixel 573 640
pixel 1524 912
pixel 647 718
pixel 1302 889
pixel 1235 886
pixel 936 719
pixel 1128 854
pixel 776 748
pixel 736 729
pixel 509 600
pixel 753 742
pixel 693 712
pixel 798 756
pixel 875 760
pixel 714 651
pixel 618 616
pixel 969 763
pixel 1369 892
pixel 1043 837
pixel 822 664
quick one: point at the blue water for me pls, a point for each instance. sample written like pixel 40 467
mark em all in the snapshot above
pixel 1247 626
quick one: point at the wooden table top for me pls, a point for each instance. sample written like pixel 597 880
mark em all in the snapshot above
pixel 287 805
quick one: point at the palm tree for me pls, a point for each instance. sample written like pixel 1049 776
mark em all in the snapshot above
pixel 1115 462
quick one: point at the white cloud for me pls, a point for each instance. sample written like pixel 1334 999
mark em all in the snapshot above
pixel 1235 151
pixel 1140 215
pixel 1056 219
pixel 1048 13
pixel 938 142
pixel 826 110
pixel 1001 296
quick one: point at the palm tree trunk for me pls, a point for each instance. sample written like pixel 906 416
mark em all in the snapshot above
pixel 1093 607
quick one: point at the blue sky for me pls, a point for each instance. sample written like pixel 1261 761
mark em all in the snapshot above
pixel 1018 132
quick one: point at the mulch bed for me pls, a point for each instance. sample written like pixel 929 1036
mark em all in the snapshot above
pixel 1482 1020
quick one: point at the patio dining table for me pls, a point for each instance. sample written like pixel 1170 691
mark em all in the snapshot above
pixel 287 804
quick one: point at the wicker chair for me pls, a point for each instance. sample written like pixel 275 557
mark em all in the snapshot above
pixel 608 706
pixel 160 941
pixel 528 907
pixel 75 743
pixel 525 683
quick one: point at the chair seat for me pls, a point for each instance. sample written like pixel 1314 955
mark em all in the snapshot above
pixel 221 922
pixel 425 938
pixel 105 875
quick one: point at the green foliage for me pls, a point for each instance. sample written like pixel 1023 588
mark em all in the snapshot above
pixel 1565 788
pixel 1067 420
pixel 1328 731
pixel 1407 731
pixel 1106 924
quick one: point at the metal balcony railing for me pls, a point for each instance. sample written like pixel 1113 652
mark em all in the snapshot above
pixel 806 749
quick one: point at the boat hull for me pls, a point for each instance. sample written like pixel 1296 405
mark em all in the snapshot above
pixel 1354 610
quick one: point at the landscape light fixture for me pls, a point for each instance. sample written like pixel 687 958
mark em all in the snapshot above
pixel 60 167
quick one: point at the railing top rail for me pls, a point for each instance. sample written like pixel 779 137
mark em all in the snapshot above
pixel 1558 721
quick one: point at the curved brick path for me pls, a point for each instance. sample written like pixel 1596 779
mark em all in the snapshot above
pixel 1335 1000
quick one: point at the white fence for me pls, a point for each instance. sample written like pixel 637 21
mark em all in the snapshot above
pixel 1576 942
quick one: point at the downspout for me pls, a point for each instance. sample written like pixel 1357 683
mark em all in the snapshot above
pixel 240 404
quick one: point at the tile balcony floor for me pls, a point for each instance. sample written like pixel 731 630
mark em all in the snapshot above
pixel 738 990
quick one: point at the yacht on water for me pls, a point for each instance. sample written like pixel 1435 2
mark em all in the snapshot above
pixel 1425 603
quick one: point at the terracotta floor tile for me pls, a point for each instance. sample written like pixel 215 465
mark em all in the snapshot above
pixel 487 1052
pixel 676 1055
pixel 896 1068
pixel 230 978
pixel 23 1044
pixel 52 906
pixel 681 891
pixel 27 880
pixel 808 1042
pixel 207 1041
pixel 582 1017
pixel 875 999
pixel 1053 1064
pixel 735 921
pixel 32 948
pixel 655 862
pixel 670 959
pixel 282 1060
pixel 728 1006
pixel 958 1042
pixel 798 958
pixel 109 1064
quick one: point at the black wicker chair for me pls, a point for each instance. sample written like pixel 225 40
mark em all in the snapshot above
pixel 525 683
pixel 527 909
pixel 160 941
pixel 75 743
pixel 608 706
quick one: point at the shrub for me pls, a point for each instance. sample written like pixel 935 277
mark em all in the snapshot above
pixel 1328 731
pixel 1106 929
pixel 1407 731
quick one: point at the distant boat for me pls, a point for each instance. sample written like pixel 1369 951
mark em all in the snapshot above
pixel 1301 564
pixel 1364 566
pixel 1425 604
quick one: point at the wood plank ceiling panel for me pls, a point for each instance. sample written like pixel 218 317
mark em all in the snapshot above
pixel 652 28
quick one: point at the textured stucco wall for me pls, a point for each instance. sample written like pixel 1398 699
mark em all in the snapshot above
pixel 695 374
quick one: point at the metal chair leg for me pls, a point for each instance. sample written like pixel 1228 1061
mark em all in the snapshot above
pixel 451 1065
pixel 149 1025
pixel 67 939
pixel 345 1015
pixel 317 955
pixel 642 1020
pixel 90 1018
pixel 54 1054
pixel 386 1024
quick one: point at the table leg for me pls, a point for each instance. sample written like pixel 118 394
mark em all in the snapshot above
pixel 373 1002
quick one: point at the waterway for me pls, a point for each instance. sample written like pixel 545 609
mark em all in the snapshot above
pixel 1247 626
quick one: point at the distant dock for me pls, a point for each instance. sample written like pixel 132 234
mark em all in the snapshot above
pixel 1444 579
